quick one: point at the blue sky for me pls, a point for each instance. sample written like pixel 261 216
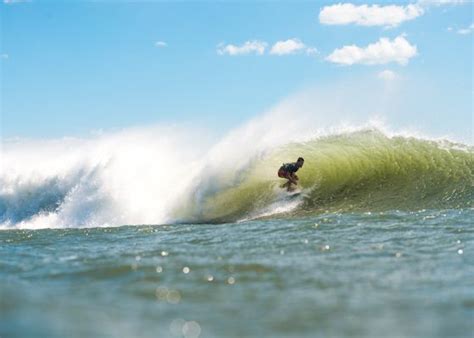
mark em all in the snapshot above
pixel 69 68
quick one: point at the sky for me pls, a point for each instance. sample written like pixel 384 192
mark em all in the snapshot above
pixel 74 67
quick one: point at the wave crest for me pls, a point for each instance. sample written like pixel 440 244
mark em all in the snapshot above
pixel 364 170
pixel 140 178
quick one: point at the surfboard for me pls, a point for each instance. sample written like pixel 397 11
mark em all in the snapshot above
pixel 293 195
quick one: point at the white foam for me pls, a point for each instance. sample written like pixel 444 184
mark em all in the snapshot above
pixel 128 177
pixel 284 203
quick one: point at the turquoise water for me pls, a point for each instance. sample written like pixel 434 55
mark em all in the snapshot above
pixel 391 273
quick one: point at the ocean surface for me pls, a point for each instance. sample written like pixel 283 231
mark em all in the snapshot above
pixel 390 274
pixel 379 242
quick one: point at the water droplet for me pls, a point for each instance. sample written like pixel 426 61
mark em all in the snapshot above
pixel 231 280
pixel 186 269
pixel 164 253
pixel 325 248
pixel 210 278
pixel 159 269
pixel 137 258
pixel 398 254
pixel 176 327
pixel 305 241
pixel 161 293
pixel 191 329
pixel 173 297
pixel 460 251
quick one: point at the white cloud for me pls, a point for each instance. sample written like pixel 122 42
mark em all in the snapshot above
pixel 426 3
pixel 161 44
pixel 254 46
pixel 4 56
pixel 10 2
pixel 368 15
pixel 381 52
pixel 283 47
pixel 387 75
pixel 291 46
pixel 312 51
pixel 467 30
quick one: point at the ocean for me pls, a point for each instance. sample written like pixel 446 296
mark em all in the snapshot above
pixel 138 235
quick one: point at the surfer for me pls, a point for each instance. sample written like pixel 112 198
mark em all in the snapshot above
pixel 288 170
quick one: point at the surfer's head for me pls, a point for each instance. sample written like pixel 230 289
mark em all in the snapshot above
pixel 300 162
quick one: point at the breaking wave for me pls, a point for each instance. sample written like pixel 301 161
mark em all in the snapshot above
pixel 361 171
pixel 161 175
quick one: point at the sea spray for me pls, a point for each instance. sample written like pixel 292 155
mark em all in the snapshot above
pixel 127 177
pixel 157 176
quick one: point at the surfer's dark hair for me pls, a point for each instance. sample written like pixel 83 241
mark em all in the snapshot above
pixel 300 159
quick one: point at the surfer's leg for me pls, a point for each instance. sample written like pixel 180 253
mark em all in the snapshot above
pixel 288 185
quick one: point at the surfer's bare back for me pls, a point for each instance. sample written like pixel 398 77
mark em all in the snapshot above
pixel 288 170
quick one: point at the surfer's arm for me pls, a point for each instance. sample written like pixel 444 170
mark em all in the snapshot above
pixel 293 178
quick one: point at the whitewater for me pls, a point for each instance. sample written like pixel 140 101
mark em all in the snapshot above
pixel 158 175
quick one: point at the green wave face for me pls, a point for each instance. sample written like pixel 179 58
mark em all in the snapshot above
pixel 364 170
